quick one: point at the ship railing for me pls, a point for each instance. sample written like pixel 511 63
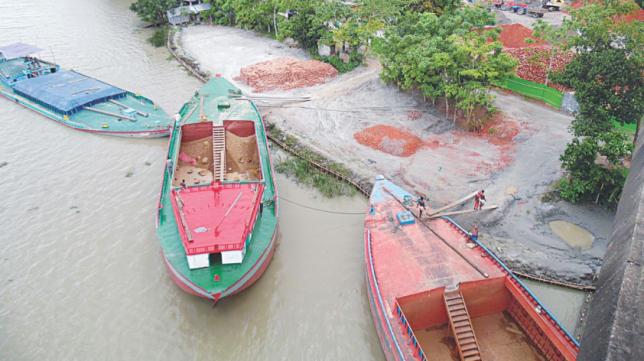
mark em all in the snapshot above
pixel 514 279
pixel 217 248
pixel 419 354
pixel 380 304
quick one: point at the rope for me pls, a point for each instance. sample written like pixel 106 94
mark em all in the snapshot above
pixel 354 110
pixel 319 209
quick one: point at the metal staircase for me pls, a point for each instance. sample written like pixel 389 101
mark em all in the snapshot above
pixel 218 152
pixel 461 325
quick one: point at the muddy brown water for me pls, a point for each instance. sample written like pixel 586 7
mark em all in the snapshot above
pixel 574 235
pixel 81 276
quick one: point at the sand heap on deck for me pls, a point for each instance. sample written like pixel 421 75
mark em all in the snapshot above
pixel 242 159
pixel 286 73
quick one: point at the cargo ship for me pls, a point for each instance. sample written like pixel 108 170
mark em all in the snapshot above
pixel 437 293
pixel 76 100
pixel 218 208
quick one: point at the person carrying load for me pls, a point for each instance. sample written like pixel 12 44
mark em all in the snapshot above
pixel 479 200
pixel 421 206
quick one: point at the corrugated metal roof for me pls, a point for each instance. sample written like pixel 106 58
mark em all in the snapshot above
pixel 180 14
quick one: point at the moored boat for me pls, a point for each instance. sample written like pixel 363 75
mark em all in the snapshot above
pixel 76 100
pixel 436 293
pixel 217 216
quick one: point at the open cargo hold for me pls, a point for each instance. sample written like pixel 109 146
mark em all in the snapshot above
pixel 438 294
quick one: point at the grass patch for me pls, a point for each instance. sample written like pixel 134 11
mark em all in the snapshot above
pixel 628 128
pixel 306 174
pixel 159 38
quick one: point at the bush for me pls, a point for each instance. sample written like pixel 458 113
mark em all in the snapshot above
pixel 159 38
pixel 355 60
pixel 305 173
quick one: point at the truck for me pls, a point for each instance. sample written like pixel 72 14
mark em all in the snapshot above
pixel 553 5
pixel 531 8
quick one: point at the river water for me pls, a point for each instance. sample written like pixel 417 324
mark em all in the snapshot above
pixel 81 276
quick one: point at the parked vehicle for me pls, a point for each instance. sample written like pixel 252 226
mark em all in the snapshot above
pixel 553 5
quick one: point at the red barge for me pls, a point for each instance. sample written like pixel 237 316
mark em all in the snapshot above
pixel 437 294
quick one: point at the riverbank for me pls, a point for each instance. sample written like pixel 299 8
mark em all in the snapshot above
pixel 516 162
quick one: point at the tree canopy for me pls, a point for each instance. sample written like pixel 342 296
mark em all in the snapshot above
pixel 153 11
pixel 606 76
pixel 448 56
pixel 606 71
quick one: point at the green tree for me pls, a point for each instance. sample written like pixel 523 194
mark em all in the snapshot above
pixel 595 169
pixel 448 56
pixel 312 20
pixel 153 11
pixel 606 76
pixel 606 71
pixel 436 6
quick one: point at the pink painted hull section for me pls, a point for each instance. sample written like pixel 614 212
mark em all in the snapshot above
pixel 257 271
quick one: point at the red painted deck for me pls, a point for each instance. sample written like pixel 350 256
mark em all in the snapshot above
pixel 412 259
pixel 410 266
pixel 217 217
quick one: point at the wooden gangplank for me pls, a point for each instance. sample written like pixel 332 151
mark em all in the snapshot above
pixel 437 215
pixel 453 204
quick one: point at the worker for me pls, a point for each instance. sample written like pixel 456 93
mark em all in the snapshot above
pixel 421 206
pixel 479 200
pixel 474 233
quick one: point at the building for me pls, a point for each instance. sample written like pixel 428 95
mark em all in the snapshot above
pixel 188 11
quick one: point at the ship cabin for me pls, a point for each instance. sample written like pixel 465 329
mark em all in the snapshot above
pixel 18 64
pixel 217 192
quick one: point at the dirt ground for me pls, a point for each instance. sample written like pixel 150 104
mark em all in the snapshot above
pixel 515 170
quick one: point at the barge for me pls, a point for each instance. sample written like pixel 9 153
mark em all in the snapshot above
pixel 437 293
pixel 76 100
pixel 218 211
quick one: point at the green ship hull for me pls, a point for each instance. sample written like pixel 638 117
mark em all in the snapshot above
pixel 218 101
pixel 78 101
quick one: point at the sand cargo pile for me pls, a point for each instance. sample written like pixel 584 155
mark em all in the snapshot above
pixel 285 74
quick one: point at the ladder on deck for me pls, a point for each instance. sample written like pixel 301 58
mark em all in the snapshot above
pixel 461 325
pixel 218 152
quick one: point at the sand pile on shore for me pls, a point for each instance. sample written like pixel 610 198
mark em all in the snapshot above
pixel 514 35
pixel 285 74
pixel 389 139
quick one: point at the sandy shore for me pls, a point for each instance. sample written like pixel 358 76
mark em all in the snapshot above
pixel 451 163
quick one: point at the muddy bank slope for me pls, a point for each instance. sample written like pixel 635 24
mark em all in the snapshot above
pixel 516 160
